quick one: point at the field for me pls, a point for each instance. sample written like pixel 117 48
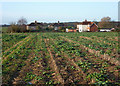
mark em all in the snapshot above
pixel 4 29
pixel 60 58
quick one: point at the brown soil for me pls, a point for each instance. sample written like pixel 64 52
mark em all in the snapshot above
pixel 25 69
pixel 70 75
pixel 95 62
pixel 72 62
pixel 53 65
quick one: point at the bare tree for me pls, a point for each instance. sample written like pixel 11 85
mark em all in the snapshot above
pixel 12 23
pixel 22 24
pixel 22 21
pixel 19 27
pixel 105 22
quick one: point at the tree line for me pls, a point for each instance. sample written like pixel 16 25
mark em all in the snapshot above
pixel 20 26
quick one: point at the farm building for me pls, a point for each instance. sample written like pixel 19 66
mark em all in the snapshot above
pixel 71 30
pixel 34 26
pixel 106 29
pixel 87 26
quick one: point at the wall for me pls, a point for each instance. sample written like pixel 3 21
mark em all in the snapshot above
pixel 31 27
pixel 94 28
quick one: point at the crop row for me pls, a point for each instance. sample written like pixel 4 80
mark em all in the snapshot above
pixel 57 58
pixel 9 40
pixel 64 48
pixel 101 46
pixel 14 61
pixel 97 53
pixel 39 68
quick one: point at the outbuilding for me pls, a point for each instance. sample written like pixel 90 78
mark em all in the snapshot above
pixel 71 30
pixel 106 29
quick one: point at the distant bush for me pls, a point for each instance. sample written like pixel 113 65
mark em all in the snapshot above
pixel 13 28
pixel 16 28
pixel 117 29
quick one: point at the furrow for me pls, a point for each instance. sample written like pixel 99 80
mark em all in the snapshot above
pixel 54 66
pixel 104 57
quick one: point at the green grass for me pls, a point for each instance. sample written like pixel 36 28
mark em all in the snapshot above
pixel 4 29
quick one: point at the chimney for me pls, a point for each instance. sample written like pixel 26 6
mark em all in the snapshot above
pixel 85 20
pixel 35 22
pixel 58 22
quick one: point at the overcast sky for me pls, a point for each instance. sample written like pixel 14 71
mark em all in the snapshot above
pixel 54 11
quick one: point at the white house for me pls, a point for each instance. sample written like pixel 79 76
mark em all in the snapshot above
pixel 87 26
pixel 83 28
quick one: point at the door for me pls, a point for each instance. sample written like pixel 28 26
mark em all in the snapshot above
pixel 80 28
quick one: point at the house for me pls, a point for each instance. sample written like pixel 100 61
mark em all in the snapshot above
pixel 107 29
pixel 71 30
pixel 50 26
pixel 34 26
pixel 58 25
pixel 86 26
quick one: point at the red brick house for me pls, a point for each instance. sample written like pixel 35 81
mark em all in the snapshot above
pixel 93 28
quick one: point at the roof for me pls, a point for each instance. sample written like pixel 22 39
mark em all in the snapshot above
pixel 93 24
pixel 71 28
pixel 35 24
pixel 58 24
pixel 87 22
pixel 106 28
